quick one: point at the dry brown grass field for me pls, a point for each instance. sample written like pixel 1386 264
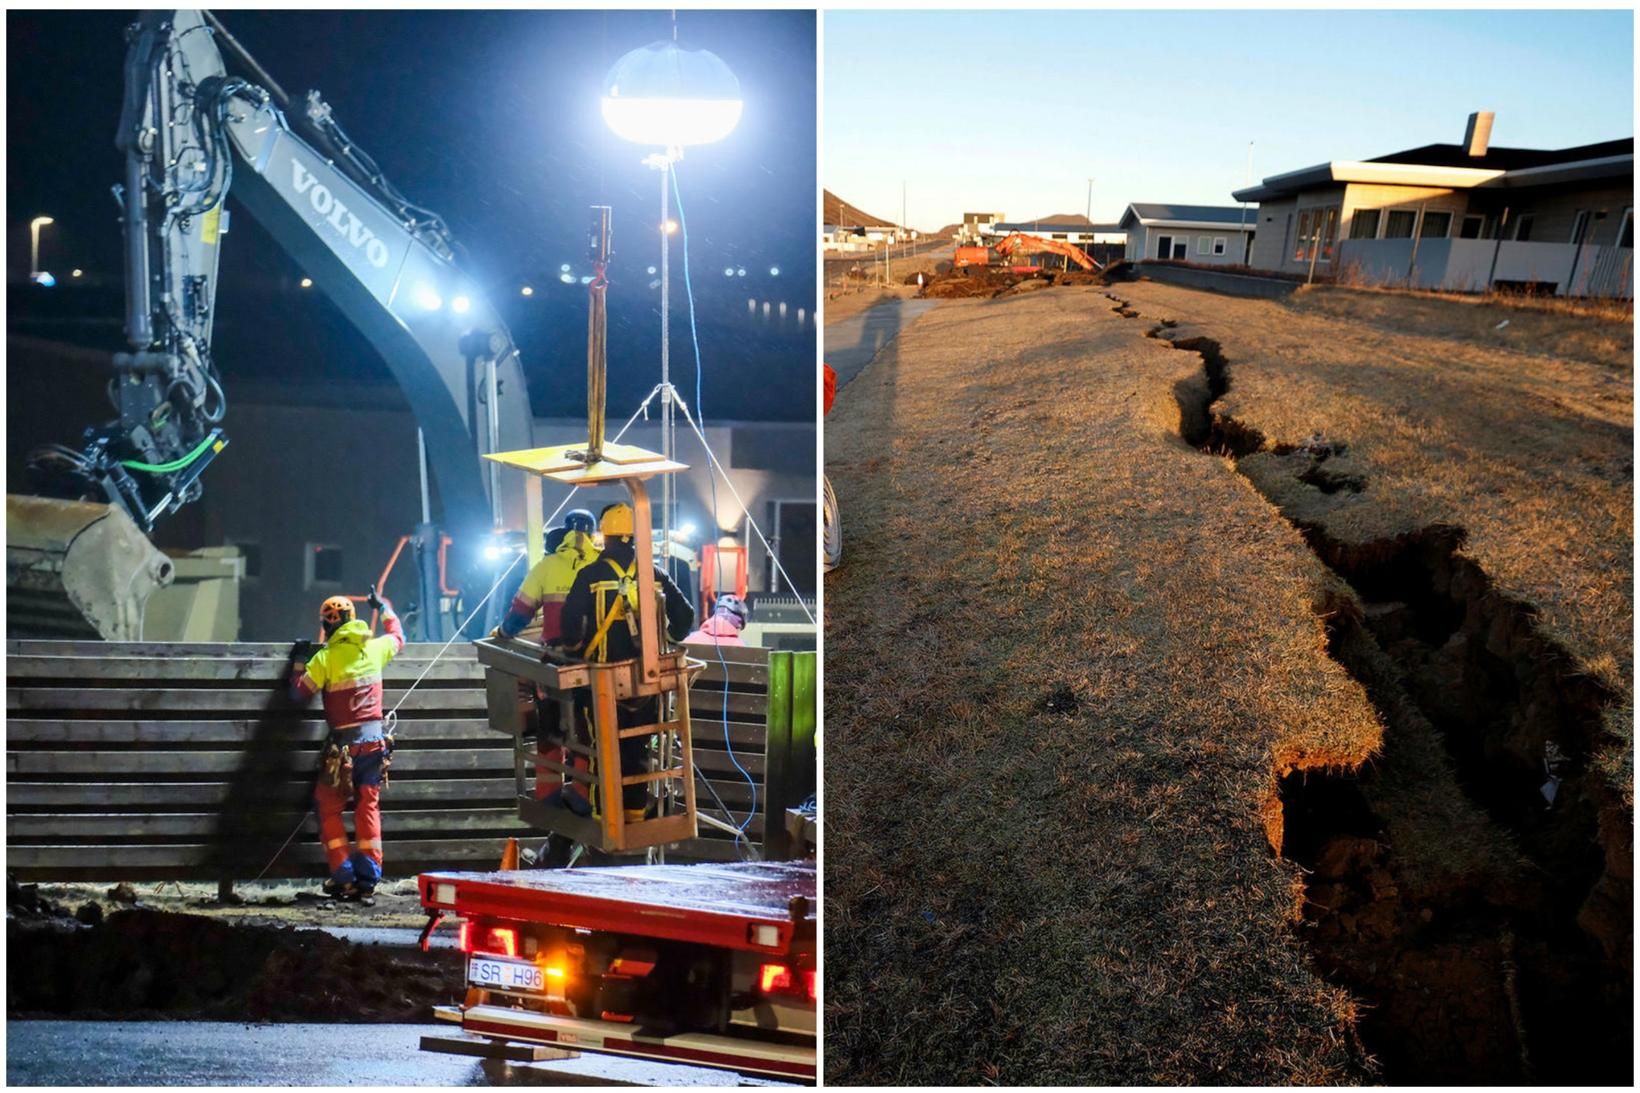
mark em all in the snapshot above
pixel 1178 695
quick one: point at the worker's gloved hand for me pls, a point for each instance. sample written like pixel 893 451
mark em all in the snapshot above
pixel 498 634
pixel 300 651
pixel 376 602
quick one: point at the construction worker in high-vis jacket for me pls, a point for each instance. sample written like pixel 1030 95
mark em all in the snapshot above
pixel 347 670
pixel 549 580
pixel 568 549
pixel 601 621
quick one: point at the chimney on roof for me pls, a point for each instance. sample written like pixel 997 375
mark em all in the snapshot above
pixel 1478 133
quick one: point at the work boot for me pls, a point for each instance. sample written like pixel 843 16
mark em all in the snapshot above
pixel 340 884
pixel 366 874
pixel 555 853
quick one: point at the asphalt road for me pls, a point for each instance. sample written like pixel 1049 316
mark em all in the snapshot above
pixel 214 1053
pixel 852 343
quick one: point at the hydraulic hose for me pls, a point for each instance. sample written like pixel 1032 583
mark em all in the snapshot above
pixel 174 465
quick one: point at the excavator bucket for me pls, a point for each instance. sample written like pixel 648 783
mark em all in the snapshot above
pixel 75 569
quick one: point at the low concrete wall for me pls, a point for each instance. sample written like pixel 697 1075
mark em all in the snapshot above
pixel 1231 284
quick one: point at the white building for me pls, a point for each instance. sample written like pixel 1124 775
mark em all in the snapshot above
pixel 1207 235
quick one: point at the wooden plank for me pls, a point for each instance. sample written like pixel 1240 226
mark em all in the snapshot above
pixel 37 764
pixel 405 790
pixel 415 650
pixel 743 706
pixel 47 827
pixel 305 855
pixel 308 732
pixel 183 796
pixel 187 700
pixel 218 670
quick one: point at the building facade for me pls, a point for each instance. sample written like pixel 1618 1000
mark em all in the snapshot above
pixel 1208 235
pixel 1462 217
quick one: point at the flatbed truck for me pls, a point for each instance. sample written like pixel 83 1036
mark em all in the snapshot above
pixel 712 965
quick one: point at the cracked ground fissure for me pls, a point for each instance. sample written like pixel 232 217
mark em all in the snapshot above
pixel 1498 953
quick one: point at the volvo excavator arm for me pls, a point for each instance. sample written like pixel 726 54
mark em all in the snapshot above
pixel 202 120
pixel 192 132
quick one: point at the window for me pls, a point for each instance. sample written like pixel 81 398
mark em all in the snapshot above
pixel 1364 224
pixel 1436 226
pixel 324 564
pixel 1218 244
pixel 1400 223
pixel 1625 238
pixel 1580 226
pixel 1471 228
pixel 1204 245
pixel 1523 228
pixel 1301 243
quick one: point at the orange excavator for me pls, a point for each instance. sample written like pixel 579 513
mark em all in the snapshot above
pixel 1020 243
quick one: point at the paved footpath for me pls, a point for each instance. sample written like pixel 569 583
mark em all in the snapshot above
pixel 854 342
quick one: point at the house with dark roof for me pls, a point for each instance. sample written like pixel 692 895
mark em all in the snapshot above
pixel 1211 235
pixel 1457 216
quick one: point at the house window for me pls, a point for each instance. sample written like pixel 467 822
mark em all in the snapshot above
pixel 1471 228
pixel 1218 244
pixel 1364 224
pixel 324 564
pixel 1580 226
pixel 1625 238
pixel 1523 228
pixel 1204 244
pixel 1436 226
pixel 1400 223
pixel 1301 244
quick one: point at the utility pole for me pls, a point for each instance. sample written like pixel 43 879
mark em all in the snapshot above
pixel 1090 201
pixel 1246 252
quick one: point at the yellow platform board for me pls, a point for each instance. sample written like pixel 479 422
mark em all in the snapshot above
pixel 566 463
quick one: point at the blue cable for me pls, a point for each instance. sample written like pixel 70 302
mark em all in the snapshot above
pixel 700 416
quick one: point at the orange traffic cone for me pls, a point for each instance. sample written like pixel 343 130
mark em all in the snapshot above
pixel 509 856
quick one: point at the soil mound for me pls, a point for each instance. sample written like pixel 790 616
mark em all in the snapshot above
pixel 143 964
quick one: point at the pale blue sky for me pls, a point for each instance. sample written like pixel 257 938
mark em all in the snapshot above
pixel 1014 111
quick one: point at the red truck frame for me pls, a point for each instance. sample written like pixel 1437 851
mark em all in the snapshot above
pixel 707 965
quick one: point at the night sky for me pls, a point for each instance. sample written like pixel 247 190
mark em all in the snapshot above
pixel 490 119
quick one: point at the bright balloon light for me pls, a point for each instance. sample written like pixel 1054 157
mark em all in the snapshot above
pixel 567 278
pixel 667 96
pixel 564 268
pixel 427 299
pixel 774 271
pixel 728 271
pixel 526 291
pixel 461 305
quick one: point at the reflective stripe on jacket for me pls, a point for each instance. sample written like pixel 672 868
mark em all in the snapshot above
pixel 348 670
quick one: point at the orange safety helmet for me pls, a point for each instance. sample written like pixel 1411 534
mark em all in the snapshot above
pixel 335 611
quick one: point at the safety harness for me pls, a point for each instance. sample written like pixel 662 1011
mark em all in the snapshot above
pixel 625 606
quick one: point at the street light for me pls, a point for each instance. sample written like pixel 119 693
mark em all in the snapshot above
pixel 668 97
pixel 34 227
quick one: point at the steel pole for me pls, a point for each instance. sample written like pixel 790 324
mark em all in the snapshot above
pixel 667 394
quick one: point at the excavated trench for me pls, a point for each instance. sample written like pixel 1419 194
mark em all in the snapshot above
pixel 1471 884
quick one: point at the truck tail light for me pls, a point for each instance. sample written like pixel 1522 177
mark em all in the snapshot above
pixel 809 984
pixel 502 940
pixel 774 979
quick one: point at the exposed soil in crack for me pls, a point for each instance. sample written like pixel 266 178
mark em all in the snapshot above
pixel 1473 883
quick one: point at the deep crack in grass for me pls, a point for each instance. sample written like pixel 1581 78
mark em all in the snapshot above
pixel 1512 966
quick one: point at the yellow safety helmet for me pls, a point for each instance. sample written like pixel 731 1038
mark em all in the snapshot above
pixel 335 611
pixel 617 522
